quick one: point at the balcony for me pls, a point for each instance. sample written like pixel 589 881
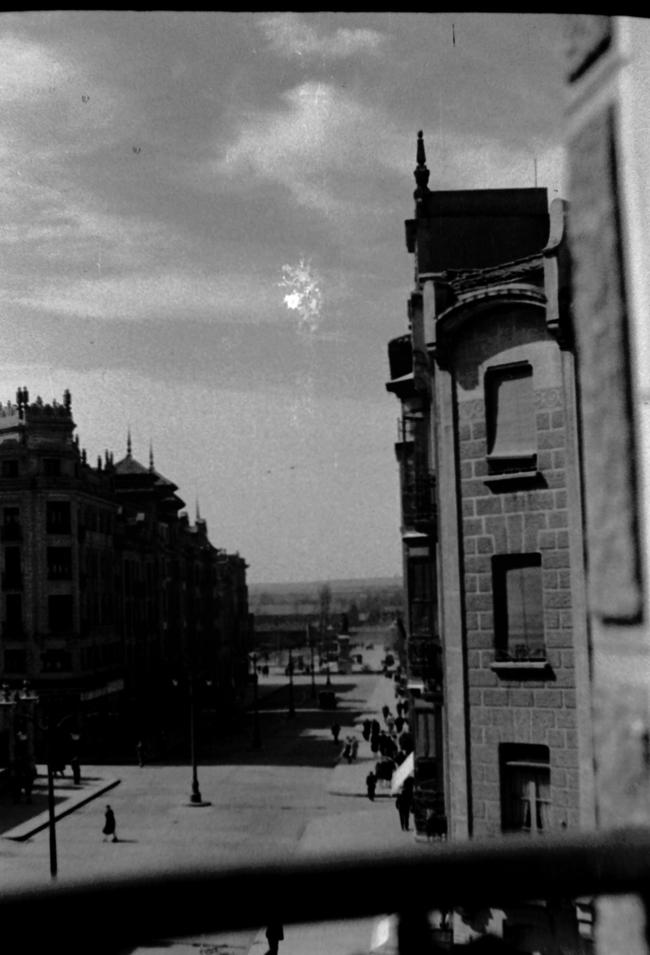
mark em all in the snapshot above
pixel 419 501
pixel 164 904
pixel 400 357
pixel 424 662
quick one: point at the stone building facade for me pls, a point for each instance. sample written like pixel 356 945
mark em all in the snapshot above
pixel 109 594
pixel 497 656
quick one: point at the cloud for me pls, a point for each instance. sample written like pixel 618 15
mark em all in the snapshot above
pixel 28 69
pixel 290 36
pixel 320 134
pixel 149 293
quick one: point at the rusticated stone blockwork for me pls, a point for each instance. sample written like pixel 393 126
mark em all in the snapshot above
pixel 516 515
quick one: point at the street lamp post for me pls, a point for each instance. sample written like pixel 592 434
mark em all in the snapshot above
pixel 257 741
pixel 54 865
pixel 29 697
pixel 195 797
pixel 310 638
pixel 292 711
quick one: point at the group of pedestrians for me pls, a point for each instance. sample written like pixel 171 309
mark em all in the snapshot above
pixel 392 744
pixel 350 744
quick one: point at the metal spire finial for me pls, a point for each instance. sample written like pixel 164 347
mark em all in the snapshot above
pixel 151 456
pixel 128 442
pixel 421 173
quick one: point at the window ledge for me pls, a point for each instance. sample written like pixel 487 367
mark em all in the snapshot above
pixel 528 476
pixel 519 665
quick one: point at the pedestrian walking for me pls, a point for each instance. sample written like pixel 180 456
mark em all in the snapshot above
pixel 374 743
pixel 274 935
pixel 75 766
pixel 371 785
pixel 367 726
pixel 336 729
pixel 399 723
pixel 385 710
pixel 110 827
pixel 354 746
pixel 403 808
pixel 139 749
pixel 347 750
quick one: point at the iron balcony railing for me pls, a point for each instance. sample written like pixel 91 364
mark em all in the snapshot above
pixel 444 876
pixel 191 902
pixel 419 499
pixel 424 658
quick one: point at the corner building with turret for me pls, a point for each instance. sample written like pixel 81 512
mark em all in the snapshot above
pixel 496 661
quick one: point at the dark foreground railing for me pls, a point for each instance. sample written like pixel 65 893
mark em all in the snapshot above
pixel 116 914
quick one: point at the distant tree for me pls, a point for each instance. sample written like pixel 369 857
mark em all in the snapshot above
pixel 374 609
pixel 325 602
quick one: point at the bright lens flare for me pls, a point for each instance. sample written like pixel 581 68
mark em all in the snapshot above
pixel 304 295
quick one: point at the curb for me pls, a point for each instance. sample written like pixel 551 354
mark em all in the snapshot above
pixel 42 821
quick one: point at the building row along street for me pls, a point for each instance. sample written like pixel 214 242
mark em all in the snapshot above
pixel 296 794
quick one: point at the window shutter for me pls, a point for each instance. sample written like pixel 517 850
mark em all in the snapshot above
pixel 511 412
pixel 525 605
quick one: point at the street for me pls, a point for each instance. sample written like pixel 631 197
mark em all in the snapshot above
pixel 288 796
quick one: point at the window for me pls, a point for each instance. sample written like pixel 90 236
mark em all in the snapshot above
pixel 58 517
pixel 52 467
pixel 11 523
pixel 15 661
pixel 14 614
pixel 10 468
pixel 510 417
pixel 12 575
pixel 53 661
pixel 59 612
pixel 518 606
pixel 421 594
pixel 59 563
pixel 426 732
pixel 525 787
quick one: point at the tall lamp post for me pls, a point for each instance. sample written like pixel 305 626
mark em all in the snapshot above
pixel 195 796
pixel 257 740
pixel 292 711
pixel 27 696
pixel 310 639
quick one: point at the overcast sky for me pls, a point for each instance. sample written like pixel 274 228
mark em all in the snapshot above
pixel 163 175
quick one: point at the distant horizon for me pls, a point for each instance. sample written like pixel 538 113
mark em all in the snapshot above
pixel 325 580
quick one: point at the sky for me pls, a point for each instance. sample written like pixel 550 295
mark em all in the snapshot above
pixel 202 237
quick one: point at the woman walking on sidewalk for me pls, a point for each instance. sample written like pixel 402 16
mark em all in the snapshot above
pixel 109 824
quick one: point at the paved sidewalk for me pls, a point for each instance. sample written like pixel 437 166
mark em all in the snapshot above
pixel 21 821
pixel 374 827
pixel 350 779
